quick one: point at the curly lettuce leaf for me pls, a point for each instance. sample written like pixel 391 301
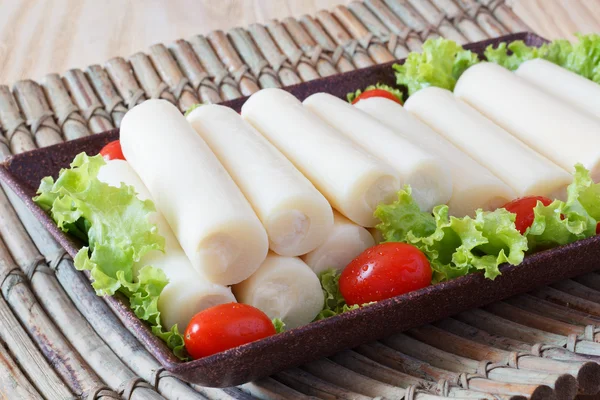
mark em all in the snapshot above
pixel 440 64
pixel 583 57
pixel 561 222
pixel 192 108
pixel 396 92
pixel 114 223
pixel 279 325
pixel 334 303
pixel 453 246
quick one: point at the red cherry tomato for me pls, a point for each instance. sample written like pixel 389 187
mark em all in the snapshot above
pixel 598 228
pixel 112 151
pixel 376 93
pixel 523 207
pixel 384 271
pixel 225 326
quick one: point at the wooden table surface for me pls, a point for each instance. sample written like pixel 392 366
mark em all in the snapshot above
pixel 42 36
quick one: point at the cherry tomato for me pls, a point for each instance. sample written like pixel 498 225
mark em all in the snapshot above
pixel 384 271
pixel 376 93
pixel 523 207
pixel 112 151
pixel 598 228
pixel 225 326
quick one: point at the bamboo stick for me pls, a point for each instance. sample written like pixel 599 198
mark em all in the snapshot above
pixel 121 74
pixel 409 16
pixel 564 385
pixel 113 102
pixel 16 132
pixel 399 361
pixel 428 11
pixel 547 351
pixel 359 55
pixel 346 378
pixel 506 16
pixel 13 383
pixel 34 106
pixel 555 311
pixel 69 119
pixel 490 25
pixel 68 363
pixel 98 118
pixel 365 366
pixel 306 67
pixel 366 39
pixel 578 289
pixel 395 42
pixel 73 325
pixel 321 58
pixel 259 66
pixel 587 374
pixel 340 58
pixel 568 300
pixel 447 30
pixel 527 318
pixel 591 280
pixel 470 29
pixel 206 89
pixel 449 8
pixel 230 393
pixel 394 24
pixel 153 86
pixel 228 87
pixel 270 389
pixel 310 385
pixel 237 69
pixel 278 62
pixel 169 72
pixel 27 355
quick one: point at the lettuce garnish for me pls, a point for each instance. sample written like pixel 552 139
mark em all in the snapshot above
pixel 583 57
pixel 440 64
pixel 334 301
pixel 454 246
pixel 115 225
pixel 396 92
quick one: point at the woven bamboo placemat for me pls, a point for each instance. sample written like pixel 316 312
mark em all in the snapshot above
pixel 62 341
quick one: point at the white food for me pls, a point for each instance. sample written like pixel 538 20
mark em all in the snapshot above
pixel 562 84
pixel 353 181
pixel 473 185
pixel 428 177
pixel 376 234
pixel 345 242
pixel 285 288
pixel 296 216
pixel 554 128
pixel 523 169
pixel 211 218
pixel 187 292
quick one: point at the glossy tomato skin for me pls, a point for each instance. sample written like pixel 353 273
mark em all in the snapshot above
pixel 384 271
pixel 225 326
pixel 376 93
pixel 112 151
pixel 523 207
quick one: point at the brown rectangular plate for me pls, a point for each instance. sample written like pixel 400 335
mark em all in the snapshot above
pixel 323 338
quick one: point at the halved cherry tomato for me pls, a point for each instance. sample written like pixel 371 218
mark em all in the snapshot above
pixel 523 207
pixel 384 271
pixel 376 93
pixel 225 326
pixel 112 151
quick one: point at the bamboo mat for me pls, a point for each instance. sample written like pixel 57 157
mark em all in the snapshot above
pixel 61 341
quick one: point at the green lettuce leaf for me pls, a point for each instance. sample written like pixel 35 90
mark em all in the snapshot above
pixel 334 301
pixel 454 246
pixel 440 64
pixel 396 92
pixel 561 222
pixel 192 108
pixel 279 325
pixel 114 223
pixel 583 57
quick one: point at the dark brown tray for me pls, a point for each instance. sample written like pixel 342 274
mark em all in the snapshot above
pixel 323 338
